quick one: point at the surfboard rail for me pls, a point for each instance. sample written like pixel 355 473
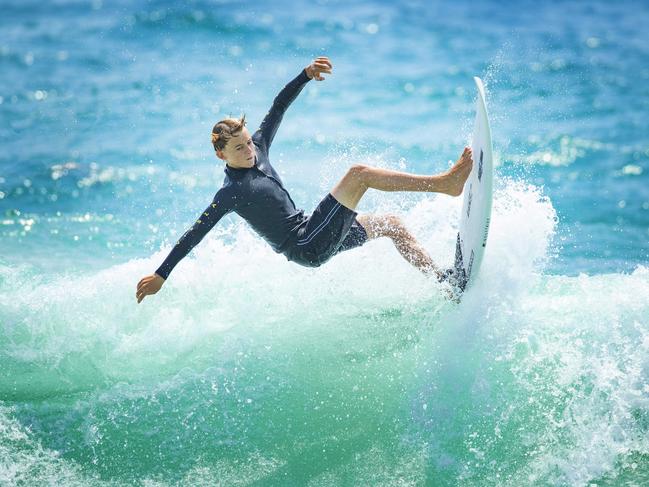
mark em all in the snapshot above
pixel 475 217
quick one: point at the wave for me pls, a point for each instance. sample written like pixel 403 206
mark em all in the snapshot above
pixel 533 378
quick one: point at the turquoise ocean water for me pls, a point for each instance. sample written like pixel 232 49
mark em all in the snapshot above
pixel 249 370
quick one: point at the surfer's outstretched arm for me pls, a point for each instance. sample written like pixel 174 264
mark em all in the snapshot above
pixel 221 205
pixel 289 93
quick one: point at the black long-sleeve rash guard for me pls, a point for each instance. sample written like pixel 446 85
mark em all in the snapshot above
pixel 256 194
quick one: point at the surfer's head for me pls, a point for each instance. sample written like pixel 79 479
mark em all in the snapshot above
pixel 233 143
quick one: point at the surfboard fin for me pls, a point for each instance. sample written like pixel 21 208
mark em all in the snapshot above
pixel 456 276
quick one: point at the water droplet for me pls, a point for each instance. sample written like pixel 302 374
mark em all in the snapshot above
pixel 372 28
pixel 632 170
pixel 592 42
pixel 198 15
pixel 558 64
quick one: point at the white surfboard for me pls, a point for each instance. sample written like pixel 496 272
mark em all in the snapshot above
pixel 476 209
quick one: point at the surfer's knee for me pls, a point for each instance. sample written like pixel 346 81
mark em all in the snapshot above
pixel 358 173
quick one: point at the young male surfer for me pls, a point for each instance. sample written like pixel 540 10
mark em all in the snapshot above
pixel 253 189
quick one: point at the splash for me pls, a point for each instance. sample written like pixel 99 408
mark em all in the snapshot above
pixel 533 378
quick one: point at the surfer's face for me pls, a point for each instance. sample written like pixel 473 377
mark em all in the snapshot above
pixel 239 151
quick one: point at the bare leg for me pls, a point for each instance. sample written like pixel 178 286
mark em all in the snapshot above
pixel 351 188
pixel 392 227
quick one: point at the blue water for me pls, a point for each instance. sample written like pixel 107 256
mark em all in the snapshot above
pixel 248 370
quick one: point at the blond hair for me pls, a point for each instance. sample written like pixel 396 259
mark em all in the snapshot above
pixel 225 130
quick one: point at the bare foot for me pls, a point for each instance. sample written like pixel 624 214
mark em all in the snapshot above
pixel 458 174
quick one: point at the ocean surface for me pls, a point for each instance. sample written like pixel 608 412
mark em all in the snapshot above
pixel 246 369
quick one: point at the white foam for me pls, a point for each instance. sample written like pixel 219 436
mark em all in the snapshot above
pixel 24 461
pixel 565 356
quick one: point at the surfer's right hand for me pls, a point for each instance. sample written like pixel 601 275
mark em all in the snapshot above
pixel 148 285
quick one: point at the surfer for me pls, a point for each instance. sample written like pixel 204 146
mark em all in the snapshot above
pixel 253 189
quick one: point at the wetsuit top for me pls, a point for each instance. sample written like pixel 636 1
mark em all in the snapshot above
pixel 257 194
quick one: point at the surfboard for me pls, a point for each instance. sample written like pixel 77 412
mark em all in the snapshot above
pixel 476 207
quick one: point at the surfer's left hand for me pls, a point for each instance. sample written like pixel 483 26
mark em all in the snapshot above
pixel 317 67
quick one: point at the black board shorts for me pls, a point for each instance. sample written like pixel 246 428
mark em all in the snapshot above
pixel 332 228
